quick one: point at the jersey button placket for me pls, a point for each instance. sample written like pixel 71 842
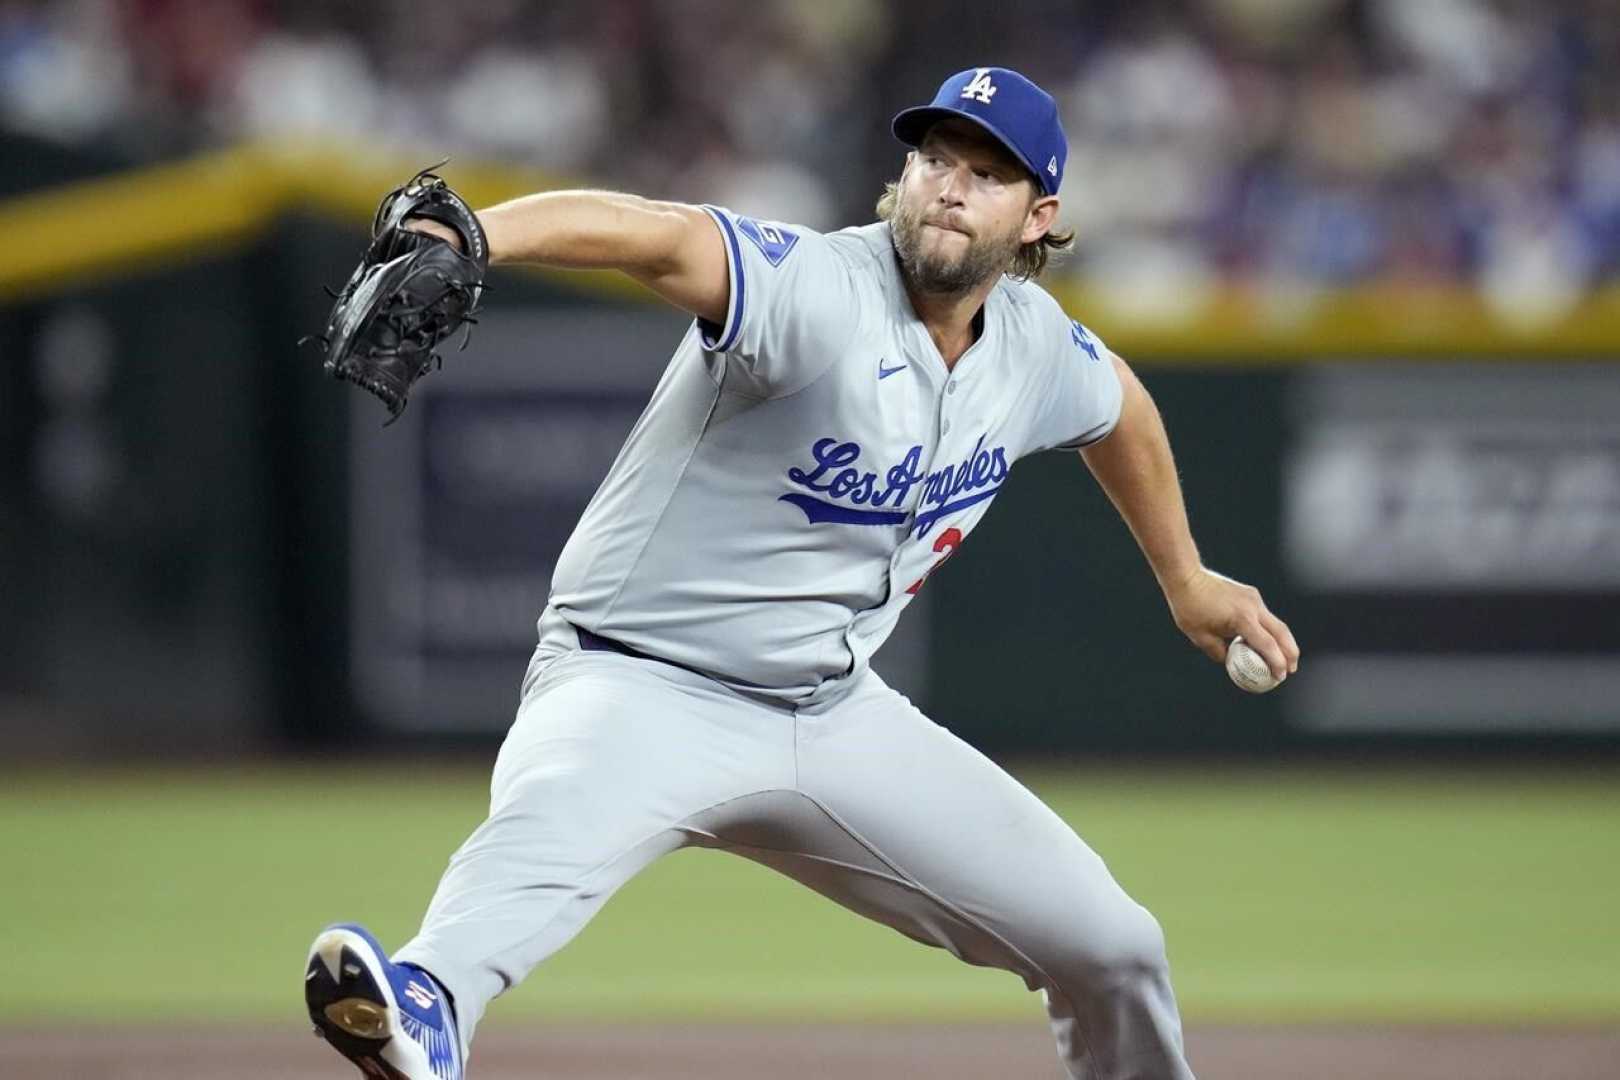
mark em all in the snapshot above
pixel 930 392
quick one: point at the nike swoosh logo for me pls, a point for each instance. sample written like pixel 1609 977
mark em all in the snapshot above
pixel 885 372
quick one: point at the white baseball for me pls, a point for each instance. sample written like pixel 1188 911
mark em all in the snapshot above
pixel 1248 668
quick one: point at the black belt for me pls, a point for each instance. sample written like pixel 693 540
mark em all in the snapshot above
pixel 597 643
pixel 593 642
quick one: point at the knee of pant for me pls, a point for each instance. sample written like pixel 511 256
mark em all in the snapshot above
pixel 1124 946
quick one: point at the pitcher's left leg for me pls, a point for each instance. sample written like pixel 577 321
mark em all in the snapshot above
pixel 997 878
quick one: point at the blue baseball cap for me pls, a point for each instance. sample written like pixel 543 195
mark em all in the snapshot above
pixel 1021 116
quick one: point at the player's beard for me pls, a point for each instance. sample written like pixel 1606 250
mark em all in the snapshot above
pixel 936 272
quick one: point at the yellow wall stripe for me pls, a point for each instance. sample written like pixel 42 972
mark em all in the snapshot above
pixel 216 202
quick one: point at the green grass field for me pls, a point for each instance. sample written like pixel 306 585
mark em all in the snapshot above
pixel 1345 894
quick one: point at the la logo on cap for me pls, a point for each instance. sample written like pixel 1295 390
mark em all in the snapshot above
pixel 981 87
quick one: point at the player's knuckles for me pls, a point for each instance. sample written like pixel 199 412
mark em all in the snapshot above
pixel 1285 638
pixel 1273 655
pixel 1261 639
pixel 1277 628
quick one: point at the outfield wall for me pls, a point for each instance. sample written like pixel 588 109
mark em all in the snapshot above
pixel 206 544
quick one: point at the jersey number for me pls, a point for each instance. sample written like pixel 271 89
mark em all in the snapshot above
pixel 946 545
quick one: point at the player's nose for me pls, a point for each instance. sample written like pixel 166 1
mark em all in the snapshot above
pixel 953 188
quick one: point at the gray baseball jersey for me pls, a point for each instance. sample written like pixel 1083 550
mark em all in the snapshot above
pixel 802 467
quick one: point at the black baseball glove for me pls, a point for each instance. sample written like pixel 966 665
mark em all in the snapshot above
pixel 410 292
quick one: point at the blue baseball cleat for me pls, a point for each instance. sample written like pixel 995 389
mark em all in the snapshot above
pixel 391 1020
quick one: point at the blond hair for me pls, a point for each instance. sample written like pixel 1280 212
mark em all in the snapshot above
pixel 1031 260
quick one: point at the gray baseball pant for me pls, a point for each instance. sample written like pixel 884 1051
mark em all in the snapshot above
pixel 614 761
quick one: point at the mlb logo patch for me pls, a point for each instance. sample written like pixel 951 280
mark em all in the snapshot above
pixel 772 240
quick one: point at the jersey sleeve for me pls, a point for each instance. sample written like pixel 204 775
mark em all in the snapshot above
pixel 793 303
pixel 1085 394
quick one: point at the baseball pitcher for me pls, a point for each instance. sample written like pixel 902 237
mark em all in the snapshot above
pixel 833 426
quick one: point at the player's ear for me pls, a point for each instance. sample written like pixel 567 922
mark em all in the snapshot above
pixel 1040 219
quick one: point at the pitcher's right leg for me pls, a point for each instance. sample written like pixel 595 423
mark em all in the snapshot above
pixel 608 755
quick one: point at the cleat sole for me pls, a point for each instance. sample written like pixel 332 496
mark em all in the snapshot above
pixel 347 1009
pixel 361 1018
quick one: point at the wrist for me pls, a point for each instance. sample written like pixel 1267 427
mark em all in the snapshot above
pixel 1175 581
pixel 435 228
pixel 498 237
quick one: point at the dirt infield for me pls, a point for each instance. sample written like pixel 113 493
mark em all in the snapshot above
pixel 844 1052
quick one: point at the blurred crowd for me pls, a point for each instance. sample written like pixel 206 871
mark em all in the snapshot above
pixel 1325 142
